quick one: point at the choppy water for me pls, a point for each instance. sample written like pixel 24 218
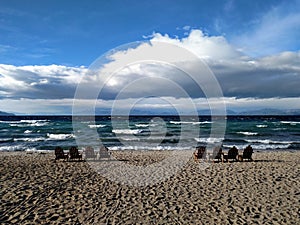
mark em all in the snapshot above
pixel 30 133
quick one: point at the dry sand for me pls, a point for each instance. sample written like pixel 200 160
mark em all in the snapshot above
pixel 36 190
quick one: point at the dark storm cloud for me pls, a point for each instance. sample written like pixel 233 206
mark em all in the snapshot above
pixel 275 76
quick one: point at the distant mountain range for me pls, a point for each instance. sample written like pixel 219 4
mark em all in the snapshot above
pixel 6 114
pixel 271 112
pixel 167 112
pixel 267 111
pixel 228 112
pixel 258 112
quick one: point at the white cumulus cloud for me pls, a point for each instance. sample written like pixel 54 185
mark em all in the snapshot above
pixel 244 80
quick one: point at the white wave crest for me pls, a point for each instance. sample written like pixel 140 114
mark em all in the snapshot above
pixel 175 122
pixel 130 139
pixel 37 150
pixel 190 122
pixel 60 136
pixel 261 146
pixel 84 122
pixel 294 123
pixel 37 124
pixel 126 131
pixel 268 141
pixel 1 121
pixel 32 121
pixel 149 148
pixel 261 126
pixel 5 139
pixel 11 148
pixel 97 126
pixel 247 133
pixel 280 128
pixel 209 140
pixel 142 125
pixel 30 139
pixel 25 123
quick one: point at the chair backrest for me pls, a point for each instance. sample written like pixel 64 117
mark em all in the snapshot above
pixel 74 152
pixel 217 152
pixel 104 152
pixel 200 151
pixel 233 153
pixel 89 152
pixel 247 153
pixel 59 151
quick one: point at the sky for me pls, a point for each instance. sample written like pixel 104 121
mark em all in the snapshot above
pixel 47 48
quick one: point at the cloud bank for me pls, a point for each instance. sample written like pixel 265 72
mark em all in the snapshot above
pixel 240 76
pixel 39 82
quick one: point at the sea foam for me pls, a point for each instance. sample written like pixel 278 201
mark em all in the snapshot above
pixel 126 131
pixel 60 136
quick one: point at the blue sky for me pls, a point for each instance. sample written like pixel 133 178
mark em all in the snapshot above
pixel 62 36
pixel 74 33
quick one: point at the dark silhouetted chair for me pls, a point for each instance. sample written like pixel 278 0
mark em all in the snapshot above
pixel 59 154
pixel 104 153
pixel 232 154
pixel 247 154
pixel 74 153
pixel 217 154
pixel 90 153
pixel 199 153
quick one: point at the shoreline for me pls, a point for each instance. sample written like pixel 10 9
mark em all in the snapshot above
pixel 36 190
pixel 146 150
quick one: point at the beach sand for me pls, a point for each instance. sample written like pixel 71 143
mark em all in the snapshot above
pixel 37 190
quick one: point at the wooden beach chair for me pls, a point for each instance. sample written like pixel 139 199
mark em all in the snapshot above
pixel 232 154
pixel 59 154
pixel 90 153
pixel 104 153
pixel 199 153
pixel 217 154
pixel 247 154
pixel 74 153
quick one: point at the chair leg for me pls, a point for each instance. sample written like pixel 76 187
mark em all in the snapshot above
pixel 196 158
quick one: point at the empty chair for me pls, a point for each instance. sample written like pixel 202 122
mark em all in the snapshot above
pixel 104 153
pixel 90 153
pixel 247 153
pixel 199 153
pixel 217 154
pixel 59 154
pixel 74 153
pixel 232 154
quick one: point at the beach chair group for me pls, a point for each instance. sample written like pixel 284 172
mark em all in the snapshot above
pixel 217 154
pixel 72 155
pixel 202 153
pixel 88 153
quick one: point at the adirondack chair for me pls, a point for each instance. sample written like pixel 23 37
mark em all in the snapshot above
pixel 90 153
pixel 59 154
pixel 74 153
pixel 247 153
pixel 199 153
pixel 104 153
pixel 217 154
pixel 232 154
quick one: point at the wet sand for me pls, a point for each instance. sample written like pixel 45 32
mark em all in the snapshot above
pixel 37 190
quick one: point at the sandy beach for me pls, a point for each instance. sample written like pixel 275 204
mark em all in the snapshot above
pixel 37 190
